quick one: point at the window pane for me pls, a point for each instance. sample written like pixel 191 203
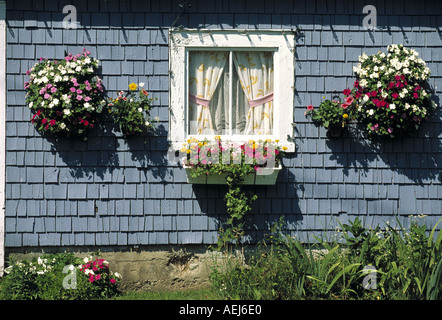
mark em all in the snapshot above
pixel 208 85
pixel 255 99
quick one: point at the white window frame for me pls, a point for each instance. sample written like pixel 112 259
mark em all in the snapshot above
pixel 281 42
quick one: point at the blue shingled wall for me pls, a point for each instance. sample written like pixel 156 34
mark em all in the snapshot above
pixel 108 191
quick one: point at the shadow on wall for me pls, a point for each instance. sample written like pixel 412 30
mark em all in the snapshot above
pixel 417 157
pixel 274 202
pixel 106 150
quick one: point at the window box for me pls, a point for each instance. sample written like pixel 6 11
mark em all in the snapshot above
pixel 267 176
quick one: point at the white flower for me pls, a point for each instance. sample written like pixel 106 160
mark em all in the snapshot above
pixel 370 112
pixel 67 112
pixel 56 101
pixel 141 84
pixel 365 98
pixel 63 125
pixel 392 106
pixel 140 110
pixel 45 79
pixel 87 105
pixel 31 104
pixel 147 123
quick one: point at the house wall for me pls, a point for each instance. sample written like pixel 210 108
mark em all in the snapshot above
pixel 111 192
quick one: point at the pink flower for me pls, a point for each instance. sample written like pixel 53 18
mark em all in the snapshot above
pixel 47 96
pixel 113 280
pixel 310 107
pixel 344 106
pixel 73 89
pixel 79 91
pixel 91 278
pixel 87 98
pixel 98 277
pixel 42 91
pixel 390 130
pixel 79 97
pixel 53 90
pixel 349 100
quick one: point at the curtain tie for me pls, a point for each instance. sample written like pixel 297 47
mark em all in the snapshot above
pixel 261 100
pixel 198 100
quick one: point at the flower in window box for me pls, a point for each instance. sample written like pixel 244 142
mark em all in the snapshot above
pixel 238 160
pixel 61 92
pixel 131 110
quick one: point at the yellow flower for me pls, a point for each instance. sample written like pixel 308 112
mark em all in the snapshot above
pixel 284 148
pixel 217 137
pixel 345 116
pixel 277 140
pixel 183 149
pixel 133 86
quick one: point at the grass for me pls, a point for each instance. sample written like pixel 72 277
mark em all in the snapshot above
pixel 194 294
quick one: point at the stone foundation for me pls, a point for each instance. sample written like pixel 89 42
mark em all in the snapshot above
pixel 144 268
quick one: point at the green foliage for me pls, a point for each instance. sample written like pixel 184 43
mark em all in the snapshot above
pixel 407 265
pixel 238 204
pixel 131 110
pixel 332 113
pixel 60 276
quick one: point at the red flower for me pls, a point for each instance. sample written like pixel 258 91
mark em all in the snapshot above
pixel 310 107
pixel 86 123
pixel 417 88
pixel 52 122
pixel 44 120
pixel 373 93
pixel 391 85
pixel 347 92
pixel 415 95
pixel 395 95
pixel 397 78
pixel 113 280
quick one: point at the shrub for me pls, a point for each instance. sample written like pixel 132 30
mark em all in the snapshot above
pixel 407 265
pixel 58 277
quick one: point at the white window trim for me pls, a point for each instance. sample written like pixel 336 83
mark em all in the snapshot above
pixel 2 131
pixel 282 42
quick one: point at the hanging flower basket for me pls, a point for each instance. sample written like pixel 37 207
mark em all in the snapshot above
pixel 66 96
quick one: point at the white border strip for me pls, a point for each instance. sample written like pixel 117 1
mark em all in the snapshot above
pixel 2 131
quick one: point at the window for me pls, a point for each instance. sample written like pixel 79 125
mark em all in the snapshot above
pixel 235 84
